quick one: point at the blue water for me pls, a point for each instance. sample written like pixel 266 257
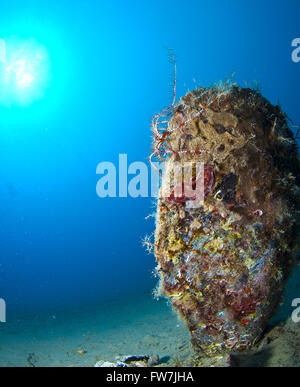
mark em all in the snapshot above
pixel 60 244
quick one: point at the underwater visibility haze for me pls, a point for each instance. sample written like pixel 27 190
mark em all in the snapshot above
pixel 79 85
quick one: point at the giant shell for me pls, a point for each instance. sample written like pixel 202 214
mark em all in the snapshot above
pixel 224 264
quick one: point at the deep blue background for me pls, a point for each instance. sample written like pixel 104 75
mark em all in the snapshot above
pixel 59 243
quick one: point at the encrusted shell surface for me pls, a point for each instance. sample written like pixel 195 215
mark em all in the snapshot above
pixel 224 265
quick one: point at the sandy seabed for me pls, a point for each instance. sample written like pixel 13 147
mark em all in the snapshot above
pixel 132 326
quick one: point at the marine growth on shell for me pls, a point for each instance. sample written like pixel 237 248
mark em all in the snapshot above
pixel 224 263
